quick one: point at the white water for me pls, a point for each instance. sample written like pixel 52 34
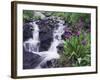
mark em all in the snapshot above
pixel 52 52
pixel 32 45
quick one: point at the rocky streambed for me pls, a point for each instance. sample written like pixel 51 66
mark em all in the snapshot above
pixel 42 42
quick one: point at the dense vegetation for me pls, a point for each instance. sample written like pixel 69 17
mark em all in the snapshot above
pixel 77 39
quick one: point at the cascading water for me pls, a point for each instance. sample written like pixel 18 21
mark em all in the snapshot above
pixel 52 52
pixel 35 38
pixel 32 45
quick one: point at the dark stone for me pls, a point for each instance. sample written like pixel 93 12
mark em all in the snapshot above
pixel 60 46
pixel 50 64
pixel 46 37
pixel 30 60
pixel 27 31
pixel 45 45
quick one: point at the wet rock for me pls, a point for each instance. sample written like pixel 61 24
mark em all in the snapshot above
pixel 27 31
pixel 30 60
pixel 46 28
pixel 60 48
pixel 45 35
pixel 50 64
pixel 45 45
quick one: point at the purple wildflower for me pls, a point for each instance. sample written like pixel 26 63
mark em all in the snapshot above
pixel 77 33
pixel 83 42
pixel 80 23
pixel 68 34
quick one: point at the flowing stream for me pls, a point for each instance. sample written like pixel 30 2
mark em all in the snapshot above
pixel 33 44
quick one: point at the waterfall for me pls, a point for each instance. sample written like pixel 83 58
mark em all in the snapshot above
pixel 35 38
pixel 52 52
pixel 35 32
pixel 57 37
pixel 32 45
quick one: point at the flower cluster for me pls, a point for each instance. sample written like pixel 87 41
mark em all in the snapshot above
pixel 76 30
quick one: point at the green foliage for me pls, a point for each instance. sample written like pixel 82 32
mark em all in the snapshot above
pixel 69 17
pixel 76 51
pixel 72 18
pixel 27 14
